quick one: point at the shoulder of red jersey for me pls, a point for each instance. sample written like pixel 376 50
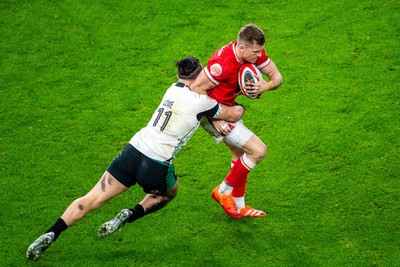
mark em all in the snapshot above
pixel 220 63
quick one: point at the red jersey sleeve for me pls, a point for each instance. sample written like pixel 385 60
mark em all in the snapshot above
pixel 262 61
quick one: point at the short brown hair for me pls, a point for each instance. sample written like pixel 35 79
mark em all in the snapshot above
pixel 250 34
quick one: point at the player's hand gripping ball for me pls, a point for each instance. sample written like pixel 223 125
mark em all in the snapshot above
pixel 247 73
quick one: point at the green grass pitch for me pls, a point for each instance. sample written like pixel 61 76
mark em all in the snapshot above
pixel 79 78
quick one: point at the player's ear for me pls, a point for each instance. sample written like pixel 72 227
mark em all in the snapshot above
pixel 242 48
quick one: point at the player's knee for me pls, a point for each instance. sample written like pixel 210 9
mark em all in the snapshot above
pixel 239 111
pixel 259 152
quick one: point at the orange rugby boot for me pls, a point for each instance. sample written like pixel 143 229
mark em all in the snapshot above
pixel 226 201
pixel 248 211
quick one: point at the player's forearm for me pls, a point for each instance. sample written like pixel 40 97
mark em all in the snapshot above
pixel 231 114
pixel 274 82
pixel 274 77
pixel 201 84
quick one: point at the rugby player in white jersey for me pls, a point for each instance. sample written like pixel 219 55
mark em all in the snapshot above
pixel 148 158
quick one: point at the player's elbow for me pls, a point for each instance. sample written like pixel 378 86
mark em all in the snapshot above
pixel 238 112
pixel 279 81
pixel 231 113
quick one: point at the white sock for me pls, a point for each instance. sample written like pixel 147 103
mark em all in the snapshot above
pixel 225 189
pixel 239 201
pixel 248 161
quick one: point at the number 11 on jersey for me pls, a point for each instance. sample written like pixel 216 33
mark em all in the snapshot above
pixel 167 117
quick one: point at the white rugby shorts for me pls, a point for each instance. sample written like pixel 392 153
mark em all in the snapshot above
pixel 237 137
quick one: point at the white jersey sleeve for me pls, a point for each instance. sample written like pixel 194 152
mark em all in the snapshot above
pixel 174 122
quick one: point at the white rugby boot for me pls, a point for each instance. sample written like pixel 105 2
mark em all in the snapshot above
pixel 115 224
pixel 39 246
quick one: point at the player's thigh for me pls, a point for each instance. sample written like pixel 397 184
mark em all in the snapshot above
pixel 236 152
pixel 239 136
pixel 106 188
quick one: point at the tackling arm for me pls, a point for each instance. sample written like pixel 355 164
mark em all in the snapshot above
pixel 231 114
pixel 202 84
pixel 228 114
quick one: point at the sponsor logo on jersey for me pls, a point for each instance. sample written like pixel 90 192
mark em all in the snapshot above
pixel 216 69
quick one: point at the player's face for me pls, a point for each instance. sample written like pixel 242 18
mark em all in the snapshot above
pixel 250 53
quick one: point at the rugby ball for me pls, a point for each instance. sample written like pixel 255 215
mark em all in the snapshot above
pixel 247 73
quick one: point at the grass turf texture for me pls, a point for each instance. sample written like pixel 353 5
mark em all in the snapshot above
pixel 80 77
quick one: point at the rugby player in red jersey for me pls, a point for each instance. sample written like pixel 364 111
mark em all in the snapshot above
pixel 220 81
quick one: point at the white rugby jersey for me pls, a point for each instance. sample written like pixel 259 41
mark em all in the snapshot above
pixel 174 122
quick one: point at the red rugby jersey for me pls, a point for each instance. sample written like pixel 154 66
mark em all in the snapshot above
pixel 223 69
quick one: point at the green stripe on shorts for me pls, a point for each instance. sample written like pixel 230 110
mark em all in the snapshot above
pixel 170 178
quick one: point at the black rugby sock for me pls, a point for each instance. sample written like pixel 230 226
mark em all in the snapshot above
pixel 138 212
pixel 58 228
